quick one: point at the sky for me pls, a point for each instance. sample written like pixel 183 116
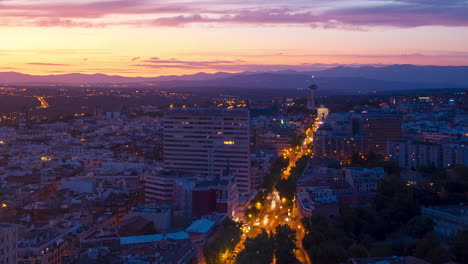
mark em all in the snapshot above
pixel 174 37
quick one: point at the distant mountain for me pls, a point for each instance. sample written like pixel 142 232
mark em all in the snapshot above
pixel 72 78
pixel 448 75
pixel 341 78
pixel 78 78
pixel 201 76
pixel 297 80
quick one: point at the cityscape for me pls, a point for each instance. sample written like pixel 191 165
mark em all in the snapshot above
pixel 234 132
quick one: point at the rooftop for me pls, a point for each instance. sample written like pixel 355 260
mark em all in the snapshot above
pixel 207 111
pixel 200 226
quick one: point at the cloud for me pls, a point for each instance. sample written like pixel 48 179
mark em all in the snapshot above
pixel 46 64
pixel 310 60
pixel 230 65
pixel 173 61
pixel 321 13
pixel 135 58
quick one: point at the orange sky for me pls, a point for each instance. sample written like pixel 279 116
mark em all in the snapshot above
pixel 150 38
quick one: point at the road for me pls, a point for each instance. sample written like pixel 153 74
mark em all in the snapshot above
pixel 276 210
pixel 43 102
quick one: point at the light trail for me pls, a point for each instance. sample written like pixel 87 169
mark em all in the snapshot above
pixel 280 212
pixel 43 102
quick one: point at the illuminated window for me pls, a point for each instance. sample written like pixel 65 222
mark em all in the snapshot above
pixel 229 142
pixel 219 133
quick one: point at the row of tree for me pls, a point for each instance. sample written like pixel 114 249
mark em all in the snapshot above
pixel 224 239
pixel 287 187
pixel 270 181
pixel 264 247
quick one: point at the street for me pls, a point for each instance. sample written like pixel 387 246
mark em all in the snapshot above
pixel 277 211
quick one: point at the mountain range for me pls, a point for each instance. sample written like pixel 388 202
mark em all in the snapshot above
pixel 390 77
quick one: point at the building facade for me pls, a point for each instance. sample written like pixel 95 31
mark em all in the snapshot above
pixel 8 241
pixel 448 220
pixel 378 129
pixel 206 140
pixel 416 154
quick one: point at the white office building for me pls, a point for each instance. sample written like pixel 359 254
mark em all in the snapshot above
pixel 207 140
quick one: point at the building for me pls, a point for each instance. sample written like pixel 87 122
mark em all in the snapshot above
pixel 260 167
pixel 45 246
pixel 454 154
pixel 257 132
pixel 160 216
pixel 205 140
pixel 339 147
pixel 322 112
pixel 8 241
pixel 160 185
pixel 200 197
pixel 377 129
pixel 317 200
pixel 311 97
pixel 192 195
pixel 449 220
pixel 364 180
pixel 338 138
pixel 416 154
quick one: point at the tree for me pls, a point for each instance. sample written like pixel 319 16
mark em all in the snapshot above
pixel 358 251
pixel 285 244
pixel 225 238
pixel 429 249
pixel 419 226
pixel 328 253
pixel 459 248
pixel 287 188
pixel 258 250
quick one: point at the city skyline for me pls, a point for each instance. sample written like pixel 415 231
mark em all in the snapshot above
pixel 152 38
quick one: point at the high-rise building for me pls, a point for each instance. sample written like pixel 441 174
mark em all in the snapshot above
pixel 257 132
pixel 311 97
pixel 24 119
pixel 205 140
pixel 378 129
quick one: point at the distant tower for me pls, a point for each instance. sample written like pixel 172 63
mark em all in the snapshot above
pixel 311 98
pixel 24 119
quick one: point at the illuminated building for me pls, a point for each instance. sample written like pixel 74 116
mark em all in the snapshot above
pixel 322 112
pixel 205 140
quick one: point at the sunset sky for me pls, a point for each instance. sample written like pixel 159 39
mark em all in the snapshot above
pixel 160 37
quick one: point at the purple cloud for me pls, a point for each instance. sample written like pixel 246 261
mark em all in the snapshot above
pixel 228 65
pixel 241 65
pixel 338 13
